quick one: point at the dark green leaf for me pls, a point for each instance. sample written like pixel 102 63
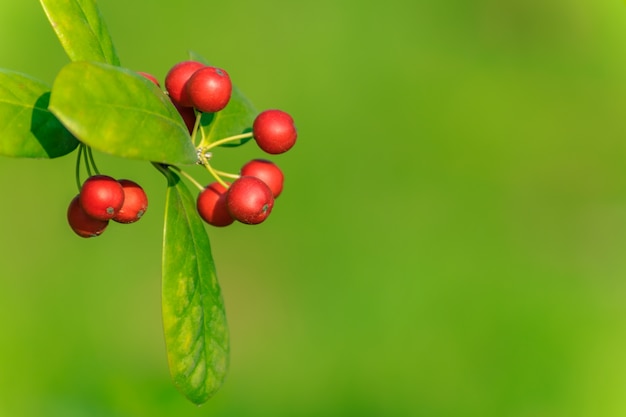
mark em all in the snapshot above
pixel 196 333
pixel 235 119
pixel 81 30
pixel 117 111
pixel 27 128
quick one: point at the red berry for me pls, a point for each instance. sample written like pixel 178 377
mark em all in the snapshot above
pixel 81 223
pixel 135 203
pixel 151 78
pixel 209 89
pixel 101 197
pixel 211 205
pixel 188 114
pixel 274 131
pixel 266 171
pixel 176 79
pixel 249 200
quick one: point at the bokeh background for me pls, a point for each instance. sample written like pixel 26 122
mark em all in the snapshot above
pixel 451 240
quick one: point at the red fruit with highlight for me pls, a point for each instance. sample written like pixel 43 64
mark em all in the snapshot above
pixel 209 89
pixel 81 223
pixel 176 79
pixel 101 197
pixel 266 171
pixel 249 200
pixel 211 205
pixel 274 131
pixel 135 202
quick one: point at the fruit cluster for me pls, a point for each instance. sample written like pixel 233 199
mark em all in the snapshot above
pixel 196 88
pixel 249 199
pixel 101 199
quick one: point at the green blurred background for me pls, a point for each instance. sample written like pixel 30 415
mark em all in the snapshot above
pixel 450 241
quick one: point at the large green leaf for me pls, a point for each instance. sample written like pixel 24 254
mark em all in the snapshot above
pixel 117 111
pixel 236 118
pixel 27 128
pixel 196 333
pixel 81 30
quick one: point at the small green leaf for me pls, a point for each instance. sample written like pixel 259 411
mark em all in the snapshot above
pixel 117 111
pixel 27 128
pixel 194 320
pixel 236 118
pixel 81 30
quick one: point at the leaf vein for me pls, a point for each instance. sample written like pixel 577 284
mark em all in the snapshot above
pixel 93 32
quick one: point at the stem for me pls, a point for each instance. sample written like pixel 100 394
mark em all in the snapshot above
pixel 228 139
pixel 93 162
pixel 77 171
pixel 215 175
pixel 226 174
pixel 167 172
pixel 205 162
pixel 189 177
pixel 163 168
pixel 196 126
pixel 86 159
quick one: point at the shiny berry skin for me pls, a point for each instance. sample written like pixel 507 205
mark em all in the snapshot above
pixel 101 197
pixel 266 171
pixel 209 89
pixel 135 202
pixel 274 131
pixel 176 79
pixel 81 223
pixel 150 77
pixel 188 114
pixel 249 200
pixel 211 205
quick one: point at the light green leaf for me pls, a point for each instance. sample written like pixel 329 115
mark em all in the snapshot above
pixel 236 118
pixel 196 332
pixel 81 30
pixel 27 128
pixel 117 111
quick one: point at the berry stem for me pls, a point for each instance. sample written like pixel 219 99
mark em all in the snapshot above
pixel 196 128
pixel 189 177
pixel 215 175
pixel 92 160
pixel 204 160
pixel 86 159
pixel 226 140
pixel 77 171
pixel 226 174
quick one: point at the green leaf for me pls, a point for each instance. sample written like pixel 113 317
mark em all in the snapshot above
pixel 27 128
pixel 117 111
pixel 196 333
pixel 81 30
pixel 236 118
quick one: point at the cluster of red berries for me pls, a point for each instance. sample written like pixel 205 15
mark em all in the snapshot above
pixel 101 199
pixel 196 88
pixel 250 198
pixel 193 86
